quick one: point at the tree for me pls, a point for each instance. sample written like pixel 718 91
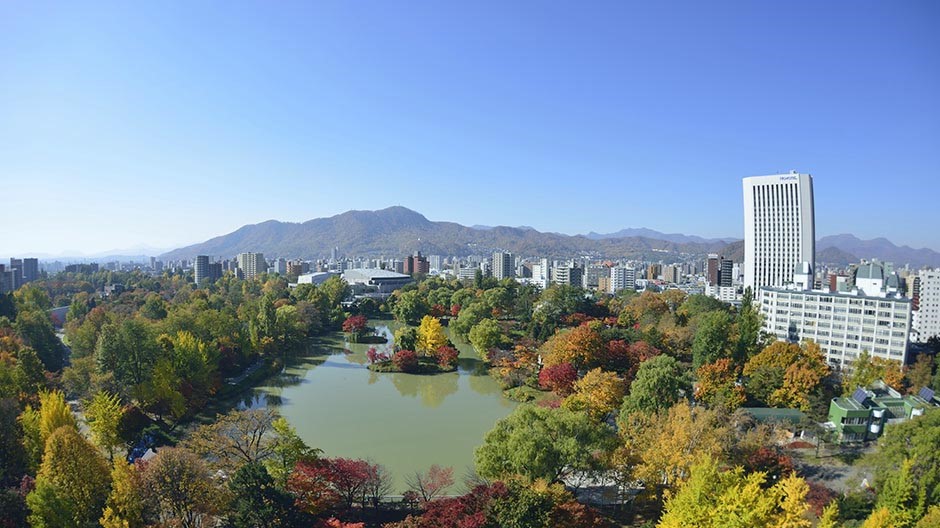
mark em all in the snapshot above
pixel 235 438
pixel 72 483
pixel 406 338
pixel 715 498
pixel 660 382
pixel 486 335
pixel 431 336
pixel 257 502
pixel 179 485
pixel 786 374
pixel 378 484
pixel 410 307
pixel 104 413
pixel 54 413
pixel 659 450
pixel 582 346
pixel 405 361
pixel 748 323
pixel 447 356
pixel 910 443
pixel 355 326
pixel 125 506
pixel 920 373
pixel 598 394
pixel 433 482
pixel 712 340
pixel 35 328
pixel 536 442
pixel 558 378
pixel 349 478
pixel 13 464
pixel 309 483
pixel 718 385
pixel 287 449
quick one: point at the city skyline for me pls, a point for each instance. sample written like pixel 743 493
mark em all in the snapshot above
pixel 169 125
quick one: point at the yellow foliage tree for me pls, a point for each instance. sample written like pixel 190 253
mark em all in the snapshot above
pixel 598 393
pixel 660 450
pixel 718 385
pixel 880 518
pixel 713 498
pixel 431 335
pixel 124 508
pixel 581 346
pixel 786 374
pixel 54 413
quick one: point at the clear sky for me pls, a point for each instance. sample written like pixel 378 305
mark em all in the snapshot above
pixel 166 123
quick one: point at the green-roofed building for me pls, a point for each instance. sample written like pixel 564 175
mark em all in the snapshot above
pixel 864 415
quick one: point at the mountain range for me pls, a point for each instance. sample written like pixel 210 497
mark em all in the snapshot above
pixel 398 231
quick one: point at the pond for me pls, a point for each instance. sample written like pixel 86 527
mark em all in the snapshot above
pixel 405 422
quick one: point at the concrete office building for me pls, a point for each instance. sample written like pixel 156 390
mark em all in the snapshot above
pixel 251 264
pixel 503 265
pixel 201 270
pixel 927 317
pixel 779 228
pixel 30 269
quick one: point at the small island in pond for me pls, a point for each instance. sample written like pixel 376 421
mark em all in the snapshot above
pixel 422 350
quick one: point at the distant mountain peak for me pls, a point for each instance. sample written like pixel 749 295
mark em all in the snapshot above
pixel 399 231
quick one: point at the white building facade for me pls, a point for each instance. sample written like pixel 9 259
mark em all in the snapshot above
pixel 622 278
pixel 779 228
pixel 842 324
pixel 927 317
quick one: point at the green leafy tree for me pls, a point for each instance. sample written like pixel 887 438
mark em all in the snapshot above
pixel 660 382
pixel 72 483
pixel 912 443
pixel 13 463
pixel 287 449
pixel 406 338
pixel 541 443
pixel 748 324
pixel 712 340
pixel 36 330
pixel 410 307
pixel 486 335
pixel 257 502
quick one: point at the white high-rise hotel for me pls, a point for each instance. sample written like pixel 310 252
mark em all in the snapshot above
pixel 779 228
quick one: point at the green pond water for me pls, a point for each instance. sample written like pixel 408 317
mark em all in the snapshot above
pixel 405 422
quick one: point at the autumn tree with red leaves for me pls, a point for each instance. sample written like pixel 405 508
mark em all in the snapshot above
pixel 558 378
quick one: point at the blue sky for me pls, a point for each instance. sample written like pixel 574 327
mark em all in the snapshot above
pixel 169 123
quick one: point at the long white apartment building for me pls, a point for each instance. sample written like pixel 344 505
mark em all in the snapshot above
pixel 842 323
pixel 779 228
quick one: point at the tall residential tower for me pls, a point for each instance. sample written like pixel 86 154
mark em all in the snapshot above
pixel 779 228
